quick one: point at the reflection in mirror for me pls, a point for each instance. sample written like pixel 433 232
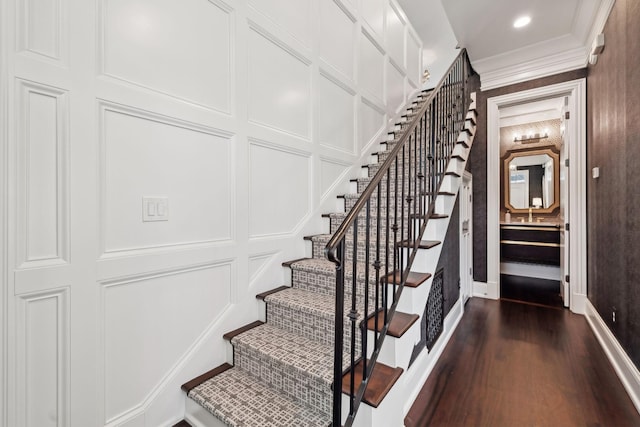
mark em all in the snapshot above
pixel 531 180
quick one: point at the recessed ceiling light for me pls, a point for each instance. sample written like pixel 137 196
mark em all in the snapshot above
pixel 521 21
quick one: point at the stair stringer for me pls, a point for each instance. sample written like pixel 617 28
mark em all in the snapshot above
pixel 396 352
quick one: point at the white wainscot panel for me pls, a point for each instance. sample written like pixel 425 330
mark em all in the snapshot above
pixel 413 58
pixel 395 36
pixel 279 87
pixel 371 67
pixel 280 190
pixel 182 49
pixel 331 172
pixel 150 323
pixel 42 148
pixel 41 26
pixel 337 31
pixel 257 264
pixel 395 87
pixel 371 121
pixel 373 14
pixel 336 116
pixel 292 15
pixel 43 359
pixel 149 156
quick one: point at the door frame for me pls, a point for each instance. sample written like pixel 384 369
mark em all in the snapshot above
pixel 466 250
pixel 576 127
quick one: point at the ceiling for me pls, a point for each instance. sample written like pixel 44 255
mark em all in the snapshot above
pixel 558 39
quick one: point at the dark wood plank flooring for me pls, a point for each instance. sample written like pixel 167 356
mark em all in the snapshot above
pixel 514 364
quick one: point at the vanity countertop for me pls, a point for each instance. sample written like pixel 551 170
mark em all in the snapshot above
pixel 532 224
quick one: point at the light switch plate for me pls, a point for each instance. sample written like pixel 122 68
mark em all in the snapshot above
pixel 595 172
pixel 155 209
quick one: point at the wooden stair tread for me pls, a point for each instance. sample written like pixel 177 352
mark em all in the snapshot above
pixel 263 295
pixel 400 323
pixel 463 143
pixel 182 423
pixel 414 279
pixel 381 381
pixel 457 156
pixel 229 335
pixel 424 244
pixel 451 173
pixel 290 263
pixel 190 385
pixel 438 216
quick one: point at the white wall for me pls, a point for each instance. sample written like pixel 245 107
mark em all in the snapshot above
pixel 246 115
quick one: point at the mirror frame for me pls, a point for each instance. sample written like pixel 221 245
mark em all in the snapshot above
pixel 510 155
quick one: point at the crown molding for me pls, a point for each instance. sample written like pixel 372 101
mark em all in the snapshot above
pixel 493 76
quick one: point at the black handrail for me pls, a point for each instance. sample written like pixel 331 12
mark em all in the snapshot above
pixel 415 168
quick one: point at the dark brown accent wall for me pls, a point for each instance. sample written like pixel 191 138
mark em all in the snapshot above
pixel 450 260
pixel 477 164
pixel 613 200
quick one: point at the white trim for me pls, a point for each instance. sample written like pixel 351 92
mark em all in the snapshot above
pixel 548 272
pixel 4 202
pixel 493 75
pixel 622 364
pixel 576 126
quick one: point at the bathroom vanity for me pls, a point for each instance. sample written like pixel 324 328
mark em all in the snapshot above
pixel 530 242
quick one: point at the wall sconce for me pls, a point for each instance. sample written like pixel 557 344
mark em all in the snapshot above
pixel 537 202
pixel 530 137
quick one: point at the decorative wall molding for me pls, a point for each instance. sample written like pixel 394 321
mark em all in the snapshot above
pixel 57 38
pixel 43 182
pixel 103 66
pixel 104 107
pixel 43 358
pixel 622 364
pixel 169 377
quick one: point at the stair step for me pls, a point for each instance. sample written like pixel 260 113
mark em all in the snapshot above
pixel 400 323
pixel 238 398
pixel 438 216
pixel 414 279
pixel 263 295
pixel 380 382
pixel 230 335
pixel 424 244
pixel 182 423
pixel 299 367
pixel 190 385
pixel 307 313
pixel 458 156
pixel 451 173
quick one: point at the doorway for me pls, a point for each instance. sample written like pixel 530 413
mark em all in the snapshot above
pixel 466 237
pixel 573 94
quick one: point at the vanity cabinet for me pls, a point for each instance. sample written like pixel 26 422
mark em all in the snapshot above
pixel 531 243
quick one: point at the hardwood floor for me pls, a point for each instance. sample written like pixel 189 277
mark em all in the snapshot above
pixel 513 364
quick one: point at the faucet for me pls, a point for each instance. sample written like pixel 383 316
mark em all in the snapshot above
pixel 530 215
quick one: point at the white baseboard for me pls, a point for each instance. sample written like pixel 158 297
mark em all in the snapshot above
pixel 624 367
pixel 488 290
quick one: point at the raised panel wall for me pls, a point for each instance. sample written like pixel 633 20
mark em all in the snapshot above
pixel 371 120
pixel 279 85
pixel 142 340
pixel 43 358
pixel 280 186
pixel 294 16
pixel 395 87
pixel 145 155
pixel 336 115
pixel 42 165
pixel 184 52
pixel 395 36
pixel 371 67
pixel 42 27
pixel 337 35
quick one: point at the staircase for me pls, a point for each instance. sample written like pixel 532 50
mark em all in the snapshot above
pixel 304 366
